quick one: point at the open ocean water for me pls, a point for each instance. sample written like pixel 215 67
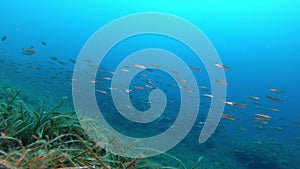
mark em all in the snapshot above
pixel 257 43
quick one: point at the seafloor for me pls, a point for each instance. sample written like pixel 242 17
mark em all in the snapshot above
pixel 53 138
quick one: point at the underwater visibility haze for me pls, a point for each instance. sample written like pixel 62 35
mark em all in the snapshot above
pixel 146 82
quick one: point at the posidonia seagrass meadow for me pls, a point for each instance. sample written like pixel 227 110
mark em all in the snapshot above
pixel 54 139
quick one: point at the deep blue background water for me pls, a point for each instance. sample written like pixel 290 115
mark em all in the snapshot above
pixel 259 40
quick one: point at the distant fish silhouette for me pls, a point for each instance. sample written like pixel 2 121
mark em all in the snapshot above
pixel 3 38
pixel 44 43
pixel 274 99
pixel 29 51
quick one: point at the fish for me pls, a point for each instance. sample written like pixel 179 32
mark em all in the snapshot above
pixel 259 107
pixel 156 66
pixel 124 70
pixel 53 58
pixel 186 88
pixel 274 110
pixel 128 90
pixel 37 67
pixel 278 128
pixel 189 90
pixel 180 79
pixel 202 87
pixel 195 69
pixel 222 66
pixel 276 90
pixel 257 142
pixel 264 116
pixel 149 70
pixel 107 78
pixel 3 134
pixel 72 60
pixel 235 104
pixel 242 106
pixel 140 66
pixel 139 87
pixel 208 95
pixel 228 116
pixel 142 75
pixel 61 62
pixel 44 43
pixel 101 91
pixel 3 38
pixel 274 99
pixel 35 136
pixel 254 97
pixel 260 120
pixel 174 71
pixel 242 129
pixel 229 103
pixel 148 86
pixel 222 82
pixel 29 51
pixel 88 60
pixel 92 66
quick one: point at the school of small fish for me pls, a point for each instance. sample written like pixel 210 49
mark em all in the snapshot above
pixel 58 73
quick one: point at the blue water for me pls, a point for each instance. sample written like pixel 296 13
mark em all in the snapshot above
pixel 259 40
